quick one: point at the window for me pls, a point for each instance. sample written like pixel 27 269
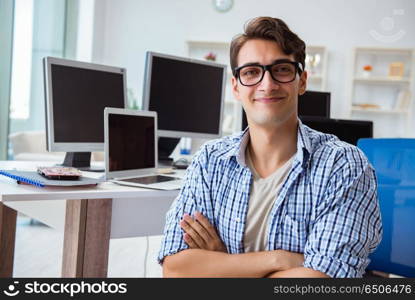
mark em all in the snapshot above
pixel 22 59
pixel 39 31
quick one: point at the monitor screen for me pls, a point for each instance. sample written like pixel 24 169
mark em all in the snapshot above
pixel 393 160
pixel 316 104
pixel 131 149
pixel 349 131
pixel 186 94
pixel 76 95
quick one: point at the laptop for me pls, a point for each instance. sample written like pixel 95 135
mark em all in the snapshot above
pixel 131 150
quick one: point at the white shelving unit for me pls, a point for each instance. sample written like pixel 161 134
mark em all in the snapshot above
pixel 382 96
pixel 316 66
pixel 233 109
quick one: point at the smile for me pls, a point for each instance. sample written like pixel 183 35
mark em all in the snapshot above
pixel 269 99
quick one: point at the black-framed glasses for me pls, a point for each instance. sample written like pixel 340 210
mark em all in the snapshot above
pixel 282 71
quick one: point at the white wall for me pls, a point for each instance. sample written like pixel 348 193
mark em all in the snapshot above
pixel 125 29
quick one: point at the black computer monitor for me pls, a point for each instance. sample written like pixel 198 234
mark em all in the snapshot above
pixel 76 94
pixel 349 131
pixel 188 96
pixel 314 104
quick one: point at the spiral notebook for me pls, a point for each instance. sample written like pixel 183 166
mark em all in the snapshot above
pixel 29 177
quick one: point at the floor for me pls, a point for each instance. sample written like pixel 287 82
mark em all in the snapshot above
pixel 38 253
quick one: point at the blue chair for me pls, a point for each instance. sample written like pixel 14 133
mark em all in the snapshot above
pixel 394 163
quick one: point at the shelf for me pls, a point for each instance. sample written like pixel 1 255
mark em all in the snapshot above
pixel 380 111
pixel 315 77
pixel 316 73
pixel 393 114
pixel 381 80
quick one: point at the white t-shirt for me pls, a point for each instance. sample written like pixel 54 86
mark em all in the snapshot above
pixel 263 193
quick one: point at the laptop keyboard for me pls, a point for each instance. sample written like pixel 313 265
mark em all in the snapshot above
pixel 150 179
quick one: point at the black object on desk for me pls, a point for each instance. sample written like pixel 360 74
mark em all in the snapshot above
pixel 165 148
pixel 349 131
pixel 181 163
pixel 314 104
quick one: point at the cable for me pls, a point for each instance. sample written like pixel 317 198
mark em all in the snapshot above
pixel 145 257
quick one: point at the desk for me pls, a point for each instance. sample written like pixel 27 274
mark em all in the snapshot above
pixel 90 217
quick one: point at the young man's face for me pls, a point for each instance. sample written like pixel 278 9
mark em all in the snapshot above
pixel 267 103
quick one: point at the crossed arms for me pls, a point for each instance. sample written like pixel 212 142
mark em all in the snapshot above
pixel 207 257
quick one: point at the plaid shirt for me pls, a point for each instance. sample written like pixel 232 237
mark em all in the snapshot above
pixel 327 207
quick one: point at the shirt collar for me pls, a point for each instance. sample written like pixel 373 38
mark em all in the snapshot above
pixel 238 149
pixel 303 146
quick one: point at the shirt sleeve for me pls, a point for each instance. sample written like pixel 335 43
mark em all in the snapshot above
pixel 348 225
pixel 196 183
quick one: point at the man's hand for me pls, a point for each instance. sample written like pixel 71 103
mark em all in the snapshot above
pixel 286 260
pixel 200 234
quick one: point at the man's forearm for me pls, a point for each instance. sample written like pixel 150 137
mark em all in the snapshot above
pixel 205 263
pixel 301 272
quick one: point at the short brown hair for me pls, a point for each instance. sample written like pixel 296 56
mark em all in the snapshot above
pixel 272 29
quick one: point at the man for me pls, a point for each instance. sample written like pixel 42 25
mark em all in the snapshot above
pixel 279 199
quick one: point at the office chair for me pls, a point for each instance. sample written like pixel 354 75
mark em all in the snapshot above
pixel 394 163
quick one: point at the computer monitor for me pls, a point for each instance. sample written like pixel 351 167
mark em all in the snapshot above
pixel 349 131
pixel 314 104
pixel 188 96
pixel 76 94
pixel 310 104
pixel 394 163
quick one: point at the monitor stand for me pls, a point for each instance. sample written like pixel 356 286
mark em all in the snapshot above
pixel 81 161
pixel 165 148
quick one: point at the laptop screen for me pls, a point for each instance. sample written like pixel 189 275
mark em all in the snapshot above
pixel 131 142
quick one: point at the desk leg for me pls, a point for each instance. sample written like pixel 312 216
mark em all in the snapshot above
pixel 86 238
pixel 7 240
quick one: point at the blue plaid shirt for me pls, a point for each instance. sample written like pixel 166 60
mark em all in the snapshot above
pixel 327 207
